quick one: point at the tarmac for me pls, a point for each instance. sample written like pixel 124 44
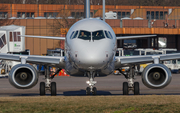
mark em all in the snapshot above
pixel 76 86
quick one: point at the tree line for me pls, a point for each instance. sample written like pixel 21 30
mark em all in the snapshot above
pixel 99 2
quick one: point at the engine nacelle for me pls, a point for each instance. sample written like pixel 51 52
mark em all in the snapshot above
pixel 23 76
pixel 156 76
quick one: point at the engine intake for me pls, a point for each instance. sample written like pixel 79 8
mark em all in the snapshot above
pixel 156 76
pixel 23 76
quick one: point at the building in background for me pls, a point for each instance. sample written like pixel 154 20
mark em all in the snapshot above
pixel 55 20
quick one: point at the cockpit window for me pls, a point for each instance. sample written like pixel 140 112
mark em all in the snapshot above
pixel 71 35
pixel 85 35
pixel 74 35
pixel 97 35
pixel 108 35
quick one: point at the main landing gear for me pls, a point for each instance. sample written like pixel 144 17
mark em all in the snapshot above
pixel 91 83
pixel 48 85
pixel 130 85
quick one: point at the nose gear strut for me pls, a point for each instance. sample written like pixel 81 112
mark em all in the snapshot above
pixel 91 83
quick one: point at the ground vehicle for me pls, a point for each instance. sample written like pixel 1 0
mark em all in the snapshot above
pixel 51 52
pixel 56 52
pixel 173 65
pixel 5 66
pixel 126 52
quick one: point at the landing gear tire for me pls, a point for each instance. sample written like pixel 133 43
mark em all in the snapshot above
pixel 125 88
pixel 88 91
pixel 136 88
pixel 42 89
pixel 94 91
pixel 53 88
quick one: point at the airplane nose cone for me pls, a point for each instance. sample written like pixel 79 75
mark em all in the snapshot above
pixel 92 57
pixel 93 54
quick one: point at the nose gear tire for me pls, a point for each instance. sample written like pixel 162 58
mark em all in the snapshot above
pixel 88 91
pixel 94 91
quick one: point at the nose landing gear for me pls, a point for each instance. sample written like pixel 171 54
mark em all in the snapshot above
pixel 91 83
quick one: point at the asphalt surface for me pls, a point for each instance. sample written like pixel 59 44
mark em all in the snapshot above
pixel 75 86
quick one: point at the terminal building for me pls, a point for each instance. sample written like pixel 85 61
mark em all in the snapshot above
pixel 55 20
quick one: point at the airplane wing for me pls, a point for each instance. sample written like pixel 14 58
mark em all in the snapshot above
pixel 129 60
pixel 63 38
pixel 45 37
pixel 132 37
pixel 43 60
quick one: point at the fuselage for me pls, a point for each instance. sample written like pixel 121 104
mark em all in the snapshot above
pixel 90 46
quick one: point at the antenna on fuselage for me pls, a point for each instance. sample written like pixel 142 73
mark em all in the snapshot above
pixel 86 8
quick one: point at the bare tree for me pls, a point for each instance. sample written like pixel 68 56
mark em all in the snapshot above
pixel 61 26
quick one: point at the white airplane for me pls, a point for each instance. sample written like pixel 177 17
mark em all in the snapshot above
pixel 90 47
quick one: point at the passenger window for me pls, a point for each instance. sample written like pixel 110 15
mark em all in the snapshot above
pixel 107 35
pixel 85 35
pixel 97 35
pixel 71 35
pixel 75 35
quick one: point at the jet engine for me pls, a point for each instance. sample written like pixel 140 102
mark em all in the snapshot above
pixel 156 76
pixel 23 76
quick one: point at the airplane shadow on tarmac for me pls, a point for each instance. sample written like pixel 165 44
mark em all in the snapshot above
pixel 108 93
pixel 83 93
pixel 67 93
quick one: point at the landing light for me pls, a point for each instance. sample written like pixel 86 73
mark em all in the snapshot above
pixel 91 67
pixel 87 82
